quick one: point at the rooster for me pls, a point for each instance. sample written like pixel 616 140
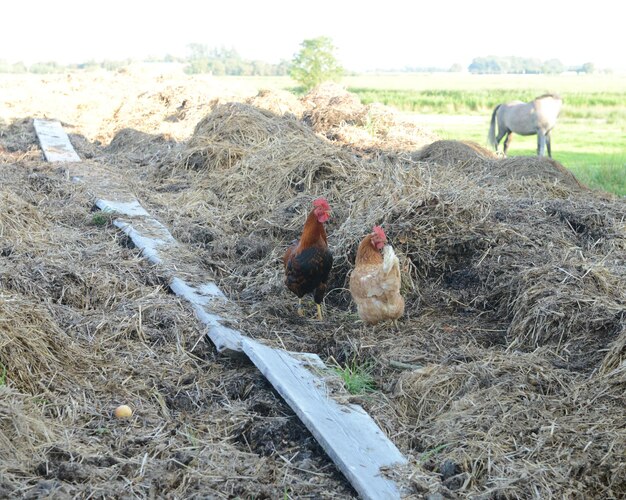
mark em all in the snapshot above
pixel 375 280
pixel 308 261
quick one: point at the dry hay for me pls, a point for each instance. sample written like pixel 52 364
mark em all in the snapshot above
pixel 33 349
pixel 519 175
pixel 526 428
pixel 24 429
pixel 405 136
pixel 140 148
pixel 278 102
pixel 514 247
pixel 18 218
pixel 87 325
pixel 614 363
pixel 232 131
pixel 456 153
pixel 340 116
pixel 514 281
pixel 381 129
pixel 329 105
pixel 18 141
pixel 543 169
pixel 166 109
pixel 324 94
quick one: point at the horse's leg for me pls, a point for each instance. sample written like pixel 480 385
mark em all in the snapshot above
pixel 501 133
pixel 548 144
pixel 541 143
pixel 507 141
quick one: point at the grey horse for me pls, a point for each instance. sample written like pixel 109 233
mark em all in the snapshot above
pixel 526 118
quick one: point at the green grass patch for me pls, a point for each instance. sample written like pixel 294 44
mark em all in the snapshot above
pixel 430 453
pixel 3 374
pixel 611 178
pixel 357 379
pixel 101 219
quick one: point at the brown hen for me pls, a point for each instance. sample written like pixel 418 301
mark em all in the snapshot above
pixel 375 280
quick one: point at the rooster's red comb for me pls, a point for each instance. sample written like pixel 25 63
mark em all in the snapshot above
pixel 322 203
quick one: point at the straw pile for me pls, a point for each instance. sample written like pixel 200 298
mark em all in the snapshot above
pixel 329 105
pixel 19 141
pixel 172 109
pixel 278 102
pixel 505 378
pixel 529 260
pixel 87 325
pixel 517 426
pixel 339 115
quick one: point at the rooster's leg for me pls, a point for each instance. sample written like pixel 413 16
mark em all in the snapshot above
pixel 319 312
pixel 300 311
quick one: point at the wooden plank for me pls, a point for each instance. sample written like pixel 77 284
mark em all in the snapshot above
pixel 54 141
pixel 226 340
pixel 149 236
pixel 346 432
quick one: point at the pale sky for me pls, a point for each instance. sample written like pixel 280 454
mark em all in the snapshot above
pixel 388 34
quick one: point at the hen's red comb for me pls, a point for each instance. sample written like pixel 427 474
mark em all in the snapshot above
pixel 380 233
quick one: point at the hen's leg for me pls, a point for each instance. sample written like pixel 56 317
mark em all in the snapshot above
pixel 300 310
pixel 319 312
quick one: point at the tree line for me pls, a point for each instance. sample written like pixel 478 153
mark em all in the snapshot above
pixel 523 65
pixel 314 63
pixel 201 59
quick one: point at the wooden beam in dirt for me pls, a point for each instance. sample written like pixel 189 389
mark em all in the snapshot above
pixel 54 141
pixel 150 236
pixel 347 433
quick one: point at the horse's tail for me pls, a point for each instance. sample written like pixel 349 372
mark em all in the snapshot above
pixel 492 127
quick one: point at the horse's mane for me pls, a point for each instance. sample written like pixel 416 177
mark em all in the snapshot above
pixel 550 96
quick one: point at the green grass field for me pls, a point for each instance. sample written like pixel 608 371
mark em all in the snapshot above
pixel 590 137
pixel 597 157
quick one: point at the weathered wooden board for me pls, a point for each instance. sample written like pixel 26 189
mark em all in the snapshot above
pixel 54 141
pixel 346 432
pixel 149 235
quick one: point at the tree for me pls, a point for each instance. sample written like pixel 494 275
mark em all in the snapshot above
pixel 315 63
pixel 553 67
pixel 515 65
pixel 488 65
pixel 42 68
pixel 198 51
pixel 588 67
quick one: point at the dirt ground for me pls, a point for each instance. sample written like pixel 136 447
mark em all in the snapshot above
pixel 505 379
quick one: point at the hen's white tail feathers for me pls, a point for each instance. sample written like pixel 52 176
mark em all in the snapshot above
pixel 389 259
